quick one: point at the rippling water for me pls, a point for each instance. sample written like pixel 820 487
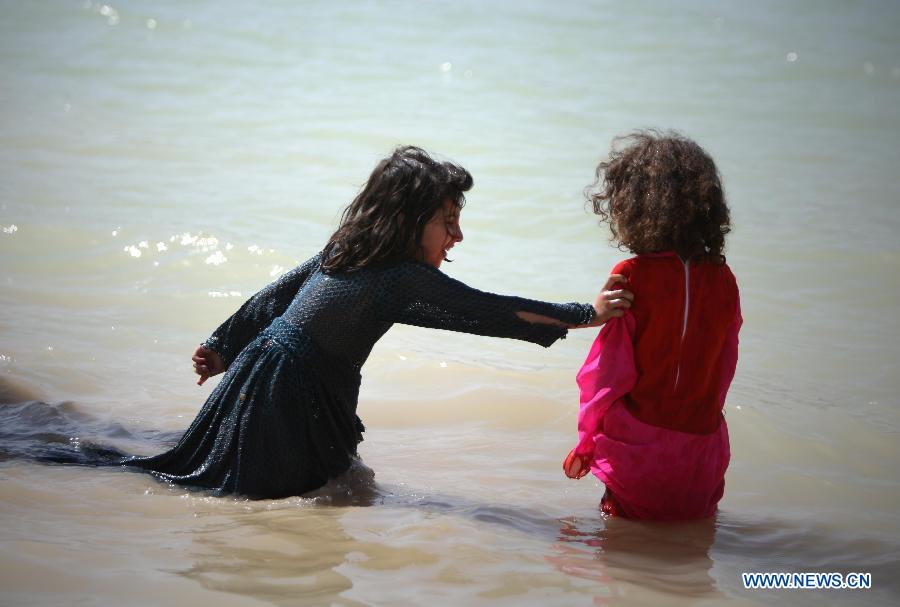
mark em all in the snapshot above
pixel 160 162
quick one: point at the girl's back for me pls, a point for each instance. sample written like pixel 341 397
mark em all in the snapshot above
pixel 650 424
pixel 685 338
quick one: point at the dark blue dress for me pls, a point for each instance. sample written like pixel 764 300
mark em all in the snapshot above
pixel 282 420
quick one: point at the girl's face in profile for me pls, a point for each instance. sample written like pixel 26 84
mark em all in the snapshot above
pixel 441 234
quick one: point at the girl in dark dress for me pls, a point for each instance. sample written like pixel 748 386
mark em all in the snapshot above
pixel 282 421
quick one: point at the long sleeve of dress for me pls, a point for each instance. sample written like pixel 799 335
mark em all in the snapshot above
pixel 259 311
pixel 607 375
pixel 434 300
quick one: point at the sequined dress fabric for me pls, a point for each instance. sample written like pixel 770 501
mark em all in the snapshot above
pixel 282 420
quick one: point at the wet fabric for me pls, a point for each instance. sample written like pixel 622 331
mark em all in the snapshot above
pixel 656 474
pixel 660 471
pixel 684 312
pixel 282 420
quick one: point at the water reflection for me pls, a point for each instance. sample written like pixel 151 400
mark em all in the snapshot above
pixel 665 558
pixel 704 560
pixel 280 557
pixel 344 542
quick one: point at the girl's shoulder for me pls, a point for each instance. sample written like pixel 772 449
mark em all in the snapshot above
pixel 643 265
pixel 663 261
pixel 656 271
pixel 624 267
pixel 401 274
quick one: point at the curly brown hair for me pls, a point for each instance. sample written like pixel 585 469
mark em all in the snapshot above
pixel 660 191
pixel 386 219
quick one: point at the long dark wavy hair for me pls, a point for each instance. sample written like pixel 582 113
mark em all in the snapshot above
pixel 386 219
pixel 660 191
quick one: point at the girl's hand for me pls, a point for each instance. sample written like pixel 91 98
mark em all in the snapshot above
pixel 576 465
pixel 207 363
pixel 611 303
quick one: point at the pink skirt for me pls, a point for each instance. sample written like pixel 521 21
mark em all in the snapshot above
pixel 659 474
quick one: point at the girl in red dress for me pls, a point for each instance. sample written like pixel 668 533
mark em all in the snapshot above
pixel 653 385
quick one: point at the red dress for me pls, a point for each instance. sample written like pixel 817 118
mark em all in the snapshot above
pixel 653 387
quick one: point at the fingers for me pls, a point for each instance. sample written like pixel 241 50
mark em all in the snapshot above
pixel 206 363
pixel 612 304
pixel 569 464
pixel 613 280
pixel 617 304
pixel 201 369
pixel 575 466
pixel 617 299
pixel 618 294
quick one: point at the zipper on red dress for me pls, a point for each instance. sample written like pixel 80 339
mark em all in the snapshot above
pixel 687 307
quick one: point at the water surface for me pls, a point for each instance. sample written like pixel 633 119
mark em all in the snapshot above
pixel 161 162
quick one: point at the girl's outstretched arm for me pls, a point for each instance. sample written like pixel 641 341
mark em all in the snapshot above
pixel 434 300
pixel 255 315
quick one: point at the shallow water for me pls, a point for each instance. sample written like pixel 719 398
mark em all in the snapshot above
pixel 159 164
